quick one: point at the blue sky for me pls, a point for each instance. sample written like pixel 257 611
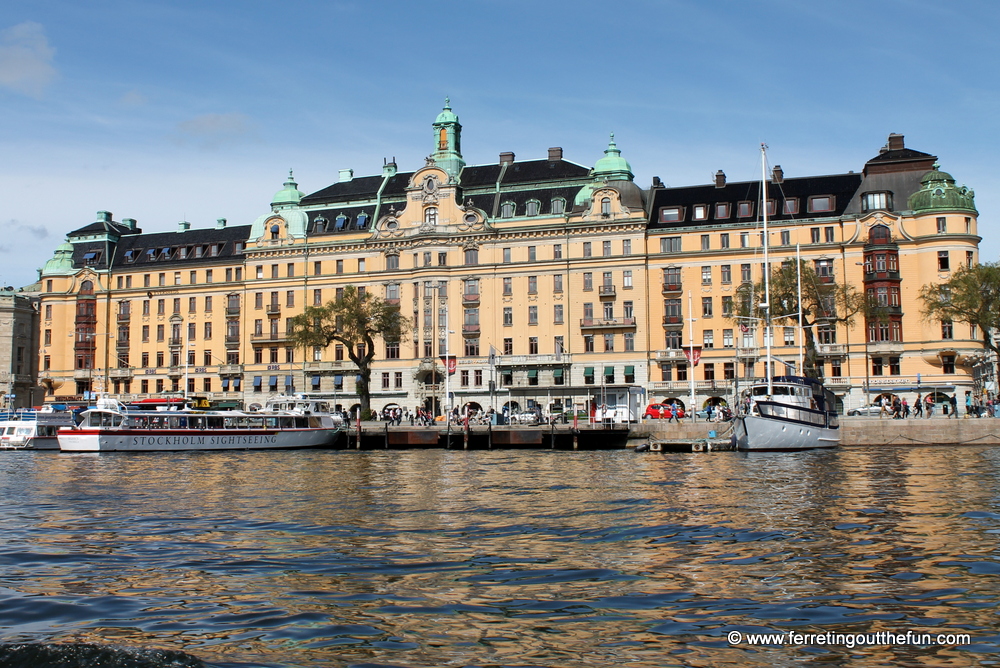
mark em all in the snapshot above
pixel 169 111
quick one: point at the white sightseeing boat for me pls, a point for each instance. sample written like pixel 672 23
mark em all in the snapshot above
pixel 29 429
pixel 789 413
pixel 783 412
pixel 111 427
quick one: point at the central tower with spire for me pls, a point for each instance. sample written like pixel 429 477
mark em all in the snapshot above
pixel 448 142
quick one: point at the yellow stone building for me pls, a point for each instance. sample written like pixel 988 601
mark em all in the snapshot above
pixel 551 284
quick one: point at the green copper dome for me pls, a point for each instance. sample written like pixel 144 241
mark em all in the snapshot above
pixel 290 194
pixel 61 263
pixel 938 192
pixel 612 167
pixel 446 115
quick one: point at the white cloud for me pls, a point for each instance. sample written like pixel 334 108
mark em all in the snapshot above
pixel 214 130
pixel 26 59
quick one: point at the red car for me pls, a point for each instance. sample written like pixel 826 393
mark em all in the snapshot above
pixel 657 411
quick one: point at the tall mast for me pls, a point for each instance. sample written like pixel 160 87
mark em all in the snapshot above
pixel 769 364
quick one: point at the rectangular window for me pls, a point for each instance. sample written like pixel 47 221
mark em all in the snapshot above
pixel 821 203
pixel 942 224
pixel 947 329
pixel 722 211
pixel 726 272
pixel 706 275
pixel 828 234
pixel 786 237
pixel 532 345
pixel 557 283
pixel 814 234
pixel 789 333
pixel 876 366
pixel 471 256
pixel 587 249
pixel 724 240
pixel 791 206
pixel 609 343
pixel 558 314
pixel 727 306
pixel 944 264
pixel 705 242
pixel 588 281
pixel 532 285
pixel 745 273
pixel 708 338
pixel 709 371
pixel 670 245
pixel 671 214
pixel 508 285
pixel 627 278
pixel 606 248
pixel 727 338
pixel 557 252
pixel 706 307
pixel 626 246
pixel 744 210
pixel 506 255
pixel 588 344
pixel 744 239
pixel 699 212
pixel 508 316
pixel 532 315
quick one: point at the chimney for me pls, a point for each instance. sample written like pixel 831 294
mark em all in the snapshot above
pixel 346 175
pixel 220 224
pixel 720 179
pixel 129 223
pixel 389 168
pixel 777 176
pixel 104 216
pixel 183 226
pixel 895 142
pixel 506 157
pixel 657 183
pixel 555 154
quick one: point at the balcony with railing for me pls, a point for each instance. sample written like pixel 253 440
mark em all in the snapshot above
pixel 470 330
pixel 671 354
pixel 324 366
pixel 747 352
pixel 175 341
pixel 470 298
pixel 535 360
pixel 606 323
pixel 270 335
pixel 672 288
pixel 673 320
pixel 232 339
pixel 831 349
pixel 273 309
pixel 125 316
pixel 392 301
pixel 607 291
pixel 701 386
pixel 175 371
pixel 233 310
pixel 885 347
pixel 120 374
pixel 230 369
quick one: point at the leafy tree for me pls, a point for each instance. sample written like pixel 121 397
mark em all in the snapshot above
pixel 972 296
pixel 356 319
pixel 824 302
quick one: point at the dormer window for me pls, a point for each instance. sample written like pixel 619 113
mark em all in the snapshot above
pixel 275 231
pixel 879 234
pixel 772 207
pixel 558 205
pixel 362 221
pixel 791 207
pixel 199 251
pixel 671 214
pixel 881 201
pixel 182 252
pixel 821 203
pixel 238 247
pixel 340 223
pixel 531 208
pixel 215 249
pixel 722 210
pixel 699 212
pixel 744 209
pixel 91 257
pixel 507 210
pixel 606 207
pixel 150 254
pixel 131 256
pixel 319 224
pixel 431 215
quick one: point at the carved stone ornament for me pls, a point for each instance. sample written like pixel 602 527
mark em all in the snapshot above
pixel 389 228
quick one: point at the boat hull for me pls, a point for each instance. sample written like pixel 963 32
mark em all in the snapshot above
pixel 755 432
pixel 113 440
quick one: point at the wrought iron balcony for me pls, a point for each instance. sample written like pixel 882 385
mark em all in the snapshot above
pixel 606 323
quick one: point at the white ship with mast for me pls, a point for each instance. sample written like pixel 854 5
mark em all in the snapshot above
pixel 783 412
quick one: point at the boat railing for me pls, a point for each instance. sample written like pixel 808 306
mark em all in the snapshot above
pixel 797 413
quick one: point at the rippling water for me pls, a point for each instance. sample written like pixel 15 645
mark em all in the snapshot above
pixel 503 558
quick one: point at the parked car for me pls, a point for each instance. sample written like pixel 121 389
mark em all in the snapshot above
pixel 654 411
pixel 871 409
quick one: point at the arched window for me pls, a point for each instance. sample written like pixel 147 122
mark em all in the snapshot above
pixel 275 231
pixel 606 206
pixel 879 234
pixel 87 288
pixel 431 215
pixel 558 205
pixel 531 208
pixel 507 210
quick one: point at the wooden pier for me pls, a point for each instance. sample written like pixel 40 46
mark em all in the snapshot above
pixel 374 436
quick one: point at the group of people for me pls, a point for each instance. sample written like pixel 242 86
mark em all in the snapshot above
pixel 898 408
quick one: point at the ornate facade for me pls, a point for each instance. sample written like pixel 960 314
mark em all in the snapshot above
pixel 551 283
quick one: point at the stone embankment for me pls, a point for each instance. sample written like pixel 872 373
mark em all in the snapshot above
pixel 853 431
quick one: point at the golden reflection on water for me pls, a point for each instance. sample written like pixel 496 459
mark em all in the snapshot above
pixel 433 558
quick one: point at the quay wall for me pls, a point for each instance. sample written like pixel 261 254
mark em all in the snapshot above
pixel 854 431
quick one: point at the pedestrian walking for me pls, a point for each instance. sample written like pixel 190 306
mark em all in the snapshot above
pixel 954 406
pixel 929 400
pixel 906 409
pixel 918 406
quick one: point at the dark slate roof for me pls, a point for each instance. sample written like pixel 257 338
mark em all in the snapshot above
pixel 350 222
pixel 140 243
pixel 841 186
pixel 98 227
pixel 359 189
pixel 901 154
pixel 473 177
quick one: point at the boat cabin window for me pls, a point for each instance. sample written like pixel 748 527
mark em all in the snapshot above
pixel 103 419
